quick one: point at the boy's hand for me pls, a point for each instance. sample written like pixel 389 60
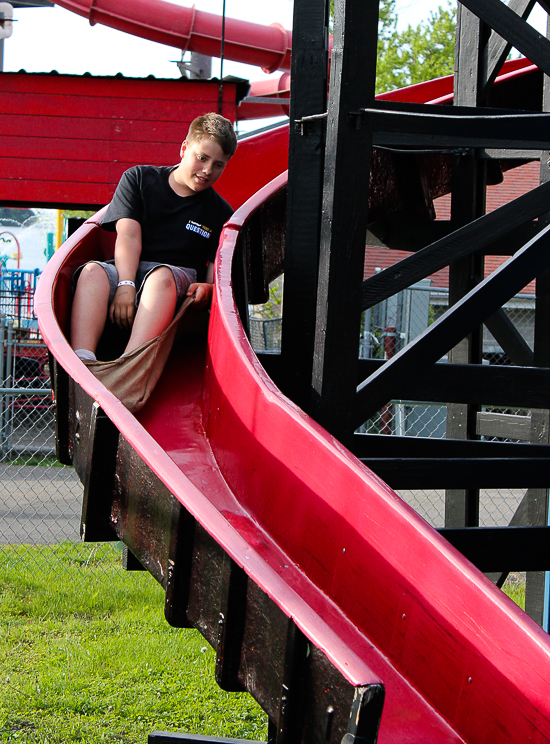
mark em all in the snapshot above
pixel 203 294
pixel 123 307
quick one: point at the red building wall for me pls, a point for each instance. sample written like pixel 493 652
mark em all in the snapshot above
pixel 65 140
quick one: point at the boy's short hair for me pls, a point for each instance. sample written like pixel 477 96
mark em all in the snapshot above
pixel 217 128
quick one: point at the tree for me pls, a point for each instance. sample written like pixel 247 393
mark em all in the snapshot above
pixel 15 216
pixel 388 76
pixel 416 54
pixel 78 213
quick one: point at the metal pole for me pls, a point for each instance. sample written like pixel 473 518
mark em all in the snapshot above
pixel 222 55
pixel 9 357
pixel 8 399
pixel 3 345
pixel 2 379
pixel 390 348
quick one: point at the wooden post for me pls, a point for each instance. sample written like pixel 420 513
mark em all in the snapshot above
pixel 537 498
pixel 344 220
pixel 309 83
pixel 468 203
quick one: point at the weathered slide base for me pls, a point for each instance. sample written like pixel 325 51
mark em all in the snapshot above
pixel 258 648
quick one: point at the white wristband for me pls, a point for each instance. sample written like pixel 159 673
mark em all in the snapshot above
pixel 126 282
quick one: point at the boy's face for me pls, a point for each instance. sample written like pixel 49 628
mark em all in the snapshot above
pixel 202 163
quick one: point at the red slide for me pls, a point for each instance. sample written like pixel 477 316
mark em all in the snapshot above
pixel 386 607
pixel 325 596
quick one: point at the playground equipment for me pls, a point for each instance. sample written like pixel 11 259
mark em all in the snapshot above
pixel 340 610
pixel 318 587
pixel 17 288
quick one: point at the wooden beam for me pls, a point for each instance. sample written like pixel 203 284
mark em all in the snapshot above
pixel 447 331
pixel 515 30
pixel 498 48
pixel 463 128
pixel 460 473
pixel 503 548
pixel 504 425
pixel 369 446
pixel 537 498
pixel 510 339
pixel 487 384
pixel 468 197
pixel 462 242
pixel 405 234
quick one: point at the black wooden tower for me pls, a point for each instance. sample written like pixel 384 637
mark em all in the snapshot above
pixel 334 140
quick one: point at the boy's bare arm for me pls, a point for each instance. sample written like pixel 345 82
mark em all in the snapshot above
pixel 127 253
pixel 204 290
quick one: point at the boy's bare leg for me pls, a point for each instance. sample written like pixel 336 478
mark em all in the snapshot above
pixel 90 306
pixel 156 308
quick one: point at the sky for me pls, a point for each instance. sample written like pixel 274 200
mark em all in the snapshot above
pixel 46 39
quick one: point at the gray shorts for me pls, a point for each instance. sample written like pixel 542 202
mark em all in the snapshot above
pixel 182 277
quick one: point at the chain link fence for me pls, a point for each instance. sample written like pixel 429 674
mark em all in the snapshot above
pixel 385 330
pixel 389 327
pixel 40 500
pixel 265 334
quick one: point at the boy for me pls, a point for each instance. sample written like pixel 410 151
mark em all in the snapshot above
pixel 168 222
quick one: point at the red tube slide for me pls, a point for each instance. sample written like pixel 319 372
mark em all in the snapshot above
pixel 189 29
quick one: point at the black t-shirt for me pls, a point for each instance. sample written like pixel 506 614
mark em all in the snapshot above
pixel 178 230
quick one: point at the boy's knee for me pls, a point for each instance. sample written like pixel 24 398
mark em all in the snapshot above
pixel 92 273
pixel 161 279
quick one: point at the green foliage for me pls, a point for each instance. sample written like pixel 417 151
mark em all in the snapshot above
pixel 273 308
pixel 514 587
pixel 15 215
pixel 86 656
pixel 79 213
pixel 422 53
pixel 417 54
pixel 387 67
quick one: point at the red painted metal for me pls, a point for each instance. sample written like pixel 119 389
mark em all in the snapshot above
pixel 366 579
pixel 273 88
pixel 190 29
pixel 440 90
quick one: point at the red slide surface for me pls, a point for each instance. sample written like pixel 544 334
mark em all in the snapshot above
pixel 369 583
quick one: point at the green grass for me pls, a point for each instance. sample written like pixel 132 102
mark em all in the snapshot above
pixel 514 587
pixel 86 656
